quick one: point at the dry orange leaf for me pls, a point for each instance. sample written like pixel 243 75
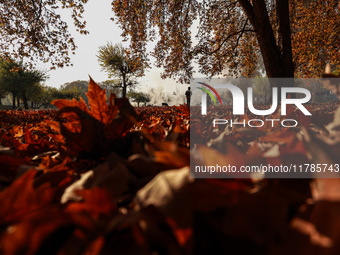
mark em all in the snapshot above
pixel 21 198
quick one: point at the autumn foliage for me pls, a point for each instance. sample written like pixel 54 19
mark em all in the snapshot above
pixel 287 38
pixel 113 179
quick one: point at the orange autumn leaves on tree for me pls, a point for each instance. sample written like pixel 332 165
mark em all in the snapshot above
pixel 315 39
pixel 239 37
pixel 37 32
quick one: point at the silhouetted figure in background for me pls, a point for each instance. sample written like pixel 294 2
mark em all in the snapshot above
pixel 188 94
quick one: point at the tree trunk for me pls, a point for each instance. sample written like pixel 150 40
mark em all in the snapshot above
pixel 284 30
pixel 277 60
pixel 124 91
pixel 124 86
pixel 265 37
pixel 18 101
pixel 24 98
pixel 0 101
pixel 13 101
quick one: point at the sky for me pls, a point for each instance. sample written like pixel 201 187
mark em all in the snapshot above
pixel 102 30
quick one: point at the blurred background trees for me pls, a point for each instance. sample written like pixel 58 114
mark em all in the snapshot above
pixel 25 85
pixel 138 97
pixel 116 61
pixel 19 81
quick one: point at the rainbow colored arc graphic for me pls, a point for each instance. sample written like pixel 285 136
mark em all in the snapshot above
pixel 208 92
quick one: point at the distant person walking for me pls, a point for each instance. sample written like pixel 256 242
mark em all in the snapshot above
pixel 188 94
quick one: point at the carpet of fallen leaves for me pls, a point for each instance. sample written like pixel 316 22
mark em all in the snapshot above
pixel 113 179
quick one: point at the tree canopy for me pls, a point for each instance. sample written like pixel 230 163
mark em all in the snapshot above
pixel 139 97
pixel 315 39
pixel 111 86
pixel 42 96
pixel 115 60
pixel 16 78
pixel 233 35
pixel 33 29
pixel 288 37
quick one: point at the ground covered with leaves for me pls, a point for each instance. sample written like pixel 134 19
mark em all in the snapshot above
pixel 113 179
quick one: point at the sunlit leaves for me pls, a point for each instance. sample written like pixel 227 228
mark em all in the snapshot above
pixel 315 36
